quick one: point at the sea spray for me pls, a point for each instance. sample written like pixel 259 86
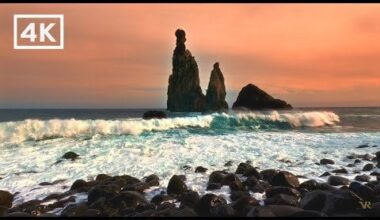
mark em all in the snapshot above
pixel 34 129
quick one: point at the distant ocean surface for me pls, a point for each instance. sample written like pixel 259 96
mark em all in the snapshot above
pixel 119 141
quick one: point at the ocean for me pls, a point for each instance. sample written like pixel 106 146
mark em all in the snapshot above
pixel 118 141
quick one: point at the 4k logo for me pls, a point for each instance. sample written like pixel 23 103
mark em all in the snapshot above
pixel 37 31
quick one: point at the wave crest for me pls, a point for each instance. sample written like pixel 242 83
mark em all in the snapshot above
pixel 33 129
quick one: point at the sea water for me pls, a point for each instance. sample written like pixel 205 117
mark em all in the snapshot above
pixel 117 142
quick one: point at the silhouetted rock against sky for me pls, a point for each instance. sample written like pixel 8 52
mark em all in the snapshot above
pixel 254 98
pixel 184 91
pixel 216 91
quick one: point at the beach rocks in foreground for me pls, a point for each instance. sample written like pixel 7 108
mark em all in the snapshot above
pixel 283 195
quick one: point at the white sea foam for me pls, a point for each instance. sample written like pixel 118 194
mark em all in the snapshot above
pixel 33 129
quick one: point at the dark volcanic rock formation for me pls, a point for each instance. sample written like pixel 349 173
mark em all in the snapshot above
pixel 216 91
pixel 254 98
pixel 184 91
pixel 154 114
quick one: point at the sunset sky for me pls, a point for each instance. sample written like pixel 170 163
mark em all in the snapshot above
pixel 119 55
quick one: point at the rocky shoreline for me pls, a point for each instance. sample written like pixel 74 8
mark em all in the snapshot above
pixel 282 194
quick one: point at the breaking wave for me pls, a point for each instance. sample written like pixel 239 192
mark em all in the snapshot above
pixel 33 129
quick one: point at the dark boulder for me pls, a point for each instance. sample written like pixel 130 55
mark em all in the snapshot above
pixel 330 202
pixel 154 114
pixel 70 156
pixel 207 203
pixel 152 180
pixel 200 169
pixel 364 192
pixel 78 184
pixel 189 199
pixel 310 185
pixel 341 170
pixel 184 91
pixel 216 177
pixel 253 98
pixel 338 180
pixel 282 199
pixel 268 174
pixel 271 192
pixel 326 161
pixel 6 199
pixel 176 185
pixel 216 91
pixel 325 174
pixel 273 211
pixel 363 178
pixel 368 167
pixel 285 178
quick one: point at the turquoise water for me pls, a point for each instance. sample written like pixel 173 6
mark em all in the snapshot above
pixel 119 142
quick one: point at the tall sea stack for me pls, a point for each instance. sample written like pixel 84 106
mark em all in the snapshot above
pixel 216 91
pixel 184 91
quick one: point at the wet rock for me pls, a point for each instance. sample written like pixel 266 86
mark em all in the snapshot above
pixel 186 167
pixel 207 203
pixel 325 174
pixel 285 178
pixel 330 202
pixel 200 169
pixel 184 91
pixel 281 199
pixel 247 170
pixel 6 199
pixel 342 170
pixel 276 190
pixel 273 211
pixel 233 182
pixel 365 192
pixel 18 214
pixel 158 199
pixel 139 187
pixel 228 164
pixel 253 98
pixel 326 161
pixel 152 180
pixel 223 211
pixel 131 199
pixel 308 213
pixel 363 146
pixel 310 185
pixel 78 184
pixel 235 194
pixel 350 165
pixel 3 211
pixel 176 185
pixel 216 91
pixel 154 114
pixel 363 178
pixel 338 180
pixel 183 212
pixel 213 186
pixel 368 167
pixel 357 161
pixel 216 177
pixel 189 199
pixel 101 191
pixel 268 174
pixel 243 205
pixel 70 156
pixel 102 177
